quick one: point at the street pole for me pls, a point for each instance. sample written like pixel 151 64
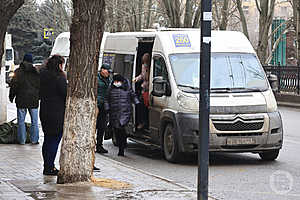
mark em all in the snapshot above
pixel 204 104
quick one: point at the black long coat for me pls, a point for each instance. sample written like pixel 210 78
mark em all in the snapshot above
pixel 53 94
pixel 119 104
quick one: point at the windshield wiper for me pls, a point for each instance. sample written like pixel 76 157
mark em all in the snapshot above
pixel 240 89
pixel 188 86
pixel 220 90
pixel 253 89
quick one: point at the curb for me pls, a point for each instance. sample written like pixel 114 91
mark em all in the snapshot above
pixel 147 173
pixel 185 188
pixel 288 104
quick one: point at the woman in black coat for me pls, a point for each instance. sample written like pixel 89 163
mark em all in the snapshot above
pixel 53 92
pixel 119 105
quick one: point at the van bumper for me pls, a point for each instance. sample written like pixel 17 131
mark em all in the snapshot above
pixel 187 126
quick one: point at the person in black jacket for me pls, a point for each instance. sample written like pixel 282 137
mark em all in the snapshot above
pixel 103 83
pixel 53 94
pixel 25 87
pixel 119 105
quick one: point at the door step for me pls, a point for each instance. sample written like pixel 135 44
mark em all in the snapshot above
pixel 143 141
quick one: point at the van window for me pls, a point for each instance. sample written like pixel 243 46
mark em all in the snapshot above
pixel 160 67
pixel 228 70
pixel 120 63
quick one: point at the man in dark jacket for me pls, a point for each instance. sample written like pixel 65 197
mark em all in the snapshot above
pixel 103 83
pixel 25 87
pixel 119 102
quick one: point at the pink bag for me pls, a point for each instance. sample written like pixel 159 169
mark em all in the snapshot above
pixel 146 98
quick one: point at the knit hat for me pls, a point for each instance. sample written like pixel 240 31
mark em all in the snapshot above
pixel 118 77
pixel 28 58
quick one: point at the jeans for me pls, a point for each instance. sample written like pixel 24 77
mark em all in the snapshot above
pixel 49 150
pixel 34 128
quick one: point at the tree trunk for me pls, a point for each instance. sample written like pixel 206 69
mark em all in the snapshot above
pixel 188 14
pixel 173 11
pixel 243 19
pixel 78 144
pixel 140 10
pixel 266 12
pixel 196 21
pixel 7 10
pixel 224 13
pixel 148 19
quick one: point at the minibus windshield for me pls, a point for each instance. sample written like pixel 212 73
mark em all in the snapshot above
pixel 230 72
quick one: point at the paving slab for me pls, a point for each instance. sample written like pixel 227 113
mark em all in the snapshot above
pixel 21 178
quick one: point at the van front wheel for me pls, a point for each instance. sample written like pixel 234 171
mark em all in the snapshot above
pixel 170 147
pixel 269 155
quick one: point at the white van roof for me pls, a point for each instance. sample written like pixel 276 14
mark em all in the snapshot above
pixel 62 44
pixel 180 41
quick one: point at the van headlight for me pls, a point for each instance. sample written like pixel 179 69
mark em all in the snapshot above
pixel 187 102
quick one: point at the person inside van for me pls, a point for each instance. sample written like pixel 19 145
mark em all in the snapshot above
pixel 118 104
pixel 144 77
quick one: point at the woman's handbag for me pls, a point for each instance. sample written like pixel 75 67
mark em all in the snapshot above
pixel 146 98
pixel 108 132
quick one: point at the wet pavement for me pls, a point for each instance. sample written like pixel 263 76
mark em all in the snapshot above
pixel 21 178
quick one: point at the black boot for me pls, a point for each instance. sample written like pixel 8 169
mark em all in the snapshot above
pixel 96 169
pixel 51 172
pixel 121 152
pixel 100 149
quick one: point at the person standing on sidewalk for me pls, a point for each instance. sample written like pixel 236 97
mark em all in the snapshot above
pixel 25 87
pixel 119 102
pixel 53 99
pixel 103 83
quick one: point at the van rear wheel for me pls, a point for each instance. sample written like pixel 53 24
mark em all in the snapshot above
pixel 269 155
pixel 170 147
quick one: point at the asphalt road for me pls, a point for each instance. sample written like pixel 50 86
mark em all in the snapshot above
pixel 231 176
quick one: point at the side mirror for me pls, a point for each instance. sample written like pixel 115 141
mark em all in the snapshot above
pixel 161 87
pixel 273 80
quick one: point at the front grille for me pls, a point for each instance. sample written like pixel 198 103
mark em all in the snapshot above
pixel 239 126
pixel 238 134
pixel 240 146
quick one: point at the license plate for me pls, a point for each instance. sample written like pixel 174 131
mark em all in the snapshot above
pixel 240 141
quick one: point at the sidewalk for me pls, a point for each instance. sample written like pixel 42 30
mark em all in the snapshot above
pixel 21 178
